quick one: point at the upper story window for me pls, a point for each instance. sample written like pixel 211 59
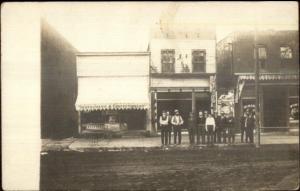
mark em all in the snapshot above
pixel 286 52
pixel 198 60
pixel 168 60
pixel 262 56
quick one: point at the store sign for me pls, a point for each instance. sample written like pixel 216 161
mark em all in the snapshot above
pixel 95 126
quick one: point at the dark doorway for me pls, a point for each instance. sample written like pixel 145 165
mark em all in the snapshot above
pixel 275 106
pixel 135 119
pixel 203 104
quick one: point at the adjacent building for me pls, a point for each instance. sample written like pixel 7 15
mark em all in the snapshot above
pixel 58 84
pixel 182 70
pixel 278 60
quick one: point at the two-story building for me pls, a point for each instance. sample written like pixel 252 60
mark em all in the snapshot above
pixel 183 62
pixel 278 60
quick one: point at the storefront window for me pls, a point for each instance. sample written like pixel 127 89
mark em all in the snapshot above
pixel 294 109
pixel 286 52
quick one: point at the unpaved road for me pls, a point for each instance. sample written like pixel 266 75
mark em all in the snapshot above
pixel 228 168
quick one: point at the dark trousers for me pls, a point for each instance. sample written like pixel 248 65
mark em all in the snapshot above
pixel 218 135
pixel 164 135
pixel 243 132
pixel 177 132
pixel 224 134
pixel 231 135
pixel 192 135
pixel 200 133
pixel 249 135
pixel 210 134
pixel 169 133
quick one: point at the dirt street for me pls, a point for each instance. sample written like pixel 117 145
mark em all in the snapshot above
pixel 228 168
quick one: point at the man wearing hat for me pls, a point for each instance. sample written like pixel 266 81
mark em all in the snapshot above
pixel 177 123
pixel 210 127
pixel 191 127
pixel 169 126
pixel 222 126
pixel 200 131
pixel 164 122
pixel 231 129
pixel 217 133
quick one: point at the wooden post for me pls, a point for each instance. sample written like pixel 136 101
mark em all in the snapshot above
pixel 257 119
pixel 261 102
pixel 149 115
pixel 193 102
pixel 287 107
pixel 79 122
pixel 155 110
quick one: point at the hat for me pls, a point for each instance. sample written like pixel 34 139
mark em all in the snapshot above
pixel 176 111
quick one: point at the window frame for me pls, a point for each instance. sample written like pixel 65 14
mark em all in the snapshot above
pixel 199 62
pixel 262 61
pixel 280 52
pixel 170 65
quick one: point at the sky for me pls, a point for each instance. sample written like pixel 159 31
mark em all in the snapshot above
pixel 126 26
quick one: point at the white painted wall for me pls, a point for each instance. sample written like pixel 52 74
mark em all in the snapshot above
pixel 183 47
pixel 113 65
pixel 180 83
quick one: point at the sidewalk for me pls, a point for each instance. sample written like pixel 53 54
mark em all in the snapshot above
pixel 143 143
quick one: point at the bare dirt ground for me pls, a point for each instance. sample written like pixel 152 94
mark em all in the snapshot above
pixel 230 168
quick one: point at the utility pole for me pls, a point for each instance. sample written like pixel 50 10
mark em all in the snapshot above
pixel 257 109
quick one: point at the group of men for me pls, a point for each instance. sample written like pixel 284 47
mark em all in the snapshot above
pixel 210 129
pixel 167 122
pixel 205 128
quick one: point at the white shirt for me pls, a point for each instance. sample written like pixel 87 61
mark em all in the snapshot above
pixel 177 120
pixel 162 121
pixel 210 121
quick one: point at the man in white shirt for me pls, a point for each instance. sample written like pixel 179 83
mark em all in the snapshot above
pixel 164 122
pixel 177 123
pixel 210 127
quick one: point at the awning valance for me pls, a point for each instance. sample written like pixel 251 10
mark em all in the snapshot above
pixel 112 93
pixel 112 106
pixel 269 77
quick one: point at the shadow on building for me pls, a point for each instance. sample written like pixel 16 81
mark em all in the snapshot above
pixel 58 85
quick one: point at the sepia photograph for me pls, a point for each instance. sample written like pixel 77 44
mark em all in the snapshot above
pixel 150 95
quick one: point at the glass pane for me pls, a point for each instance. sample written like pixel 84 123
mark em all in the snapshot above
pixel 285 52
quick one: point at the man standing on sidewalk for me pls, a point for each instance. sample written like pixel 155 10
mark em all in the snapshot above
pixel 210 127
pixel 231 129
pixel 163 122
pixel 217 133
pixel 200 131
pixel 243 126
pixel 177 123
pixel 169 127
pixel 191 127
pixel 222 126
pixel 250 124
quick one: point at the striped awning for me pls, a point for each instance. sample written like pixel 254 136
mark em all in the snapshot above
pixel 112 93
pixel 270 77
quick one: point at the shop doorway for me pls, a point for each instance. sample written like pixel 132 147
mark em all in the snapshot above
pixel 275 107
pixel 135 119
pixel 202 104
